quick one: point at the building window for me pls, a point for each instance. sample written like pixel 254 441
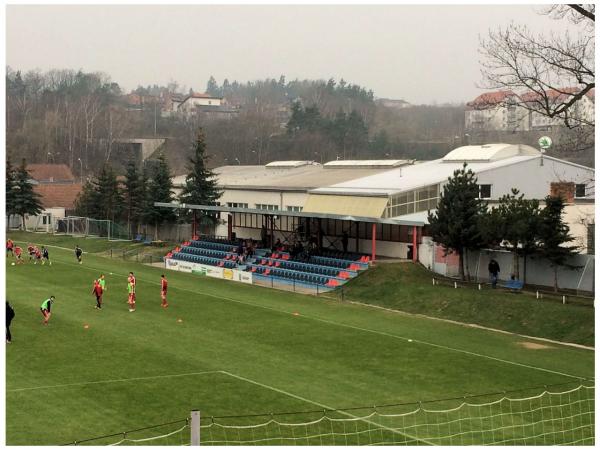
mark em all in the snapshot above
pixel 294 208
pixel 267 207
pixel 44 220
pixel 237 205
pixel 410 202
pixel 579 190
pixel 485 191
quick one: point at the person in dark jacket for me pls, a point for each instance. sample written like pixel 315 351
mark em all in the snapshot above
pixel 10 314
pixel 494 270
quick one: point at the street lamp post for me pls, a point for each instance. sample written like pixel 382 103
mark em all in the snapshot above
pixel 80 169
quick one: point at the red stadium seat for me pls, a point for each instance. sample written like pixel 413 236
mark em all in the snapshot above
pixel 267 271
pixel 254 269
pixel 277 264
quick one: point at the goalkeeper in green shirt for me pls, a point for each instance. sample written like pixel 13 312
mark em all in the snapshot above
pixel 45 309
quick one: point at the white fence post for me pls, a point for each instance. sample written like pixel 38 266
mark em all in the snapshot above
pixel 195 428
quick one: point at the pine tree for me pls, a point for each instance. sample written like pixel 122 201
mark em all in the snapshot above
pixel 10 189
pixel 518 222
pixel 110 200
pixel 86 204
pixel 554 236
pixel 133 197
pixel 26 200
pixel 160 189
pixel 456 222
pixel 212 87
pixel 201 183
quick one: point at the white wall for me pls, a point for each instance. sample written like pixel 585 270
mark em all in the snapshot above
pixel 531 178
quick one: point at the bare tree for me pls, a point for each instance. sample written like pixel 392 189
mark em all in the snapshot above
pixel 550 74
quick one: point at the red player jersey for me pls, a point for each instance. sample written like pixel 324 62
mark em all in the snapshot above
pixel 163 285
pixel 17 250
pixel 97 288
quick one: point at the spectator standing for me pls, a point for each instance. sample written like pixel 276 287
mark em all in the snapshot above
pixel 345 242
pixel 494 270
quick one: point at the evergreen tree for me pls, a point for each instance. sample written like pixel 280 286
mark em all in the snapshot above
pixel 296 119
pixel 109 197
pixel 456 222
pixel 160 189
pixel 554 236
pixel 86 204
pixel 201 183
pixel 212 87
pixel 10 189
pixel 518 222
pixel 133 197
pixel 26 200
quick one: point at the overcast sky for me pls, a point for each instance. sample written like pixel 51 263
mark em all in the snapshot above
pixel 423 54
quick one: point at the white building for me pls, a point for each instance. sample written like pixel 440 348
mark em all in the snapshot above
pixel 503 111
pixel 395 194
pixel 489 112
pixel 191 103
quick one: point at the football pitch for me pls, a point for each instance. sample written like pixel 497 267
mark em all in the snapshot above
pixel 230 349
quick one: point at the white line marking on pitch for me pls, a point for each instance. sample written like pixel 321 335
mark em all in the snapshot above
pixel 119 380
pixel 367 330
pixel 321 405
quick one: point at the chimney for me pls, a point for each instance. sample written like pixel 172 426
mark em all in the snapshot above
pixel 564 189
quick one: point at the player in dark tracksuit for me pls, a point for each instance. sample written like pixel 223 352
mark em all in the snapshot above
pixel 10 314
pixel 78 253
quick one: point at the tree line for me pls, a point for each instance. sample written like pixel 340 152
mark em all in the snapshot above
pixel 132 201
pixel 463 223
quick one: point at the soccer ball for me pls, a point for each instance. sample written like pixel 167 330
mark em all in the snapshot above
pixel 12 264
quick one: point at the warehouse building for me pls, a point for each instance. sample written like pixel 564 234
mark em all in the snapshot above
pixel 379 204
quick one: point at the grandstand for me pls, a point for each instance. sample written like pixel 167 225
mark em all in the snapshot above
pixel 219 257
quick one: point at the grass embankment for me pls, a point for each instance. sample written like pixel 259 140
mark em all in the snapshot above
pixel 407 287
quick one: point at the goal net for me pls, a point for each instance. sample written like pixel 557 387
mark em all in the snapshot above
pixel 84 226
pixel 549 418
pixel 173 433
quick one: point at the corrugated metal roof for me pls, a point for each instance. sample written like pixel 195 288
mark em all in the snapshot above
pixel 414 176
pixel 489 152
pixel 367 163
pixel 289 163
pixel 302 178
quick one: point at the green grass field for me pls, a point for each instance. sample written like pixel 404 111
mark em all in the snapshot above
pixel 241 350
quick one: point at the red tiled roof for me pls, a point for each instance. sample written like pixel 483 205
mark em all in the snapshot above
pixel 50 172
pixel 490 99
pixel 58 195
pixel 555 95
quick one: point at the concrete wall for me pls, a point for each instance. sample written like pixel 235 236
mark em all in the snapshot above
pixel 532 179
pixel 148 146
pixel 539 271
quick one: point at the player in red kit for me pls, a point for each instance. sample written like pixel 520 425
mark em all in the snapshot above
pixel 37 255
pixel 18 252
pixel 131 291
pixel 97 291
pixel 163 291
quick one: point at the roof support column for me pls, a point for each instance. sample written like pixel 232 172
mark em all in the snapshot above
pixel 373 239
pixel 229 226
pixel 414 252
pixel 194 234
